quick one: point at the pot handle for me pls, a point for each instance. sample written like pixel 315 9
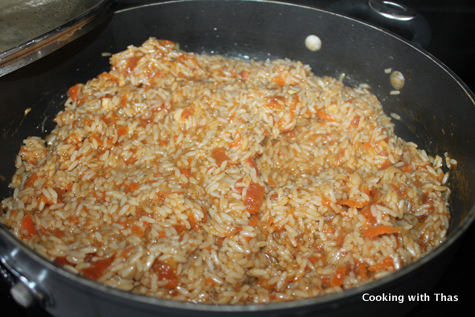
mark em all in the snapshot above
pixel 25 292
pixel 393 16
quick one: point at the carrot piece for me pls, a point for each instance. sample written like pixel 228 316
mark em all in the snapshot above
pixel 253 164
pixel 133 186
pixel 279 80
pixel 194 223
pixel 370 219
pixel 209 281
pixel 339 277
pixel 45 200
pixel 352 203
pixel 138 231
pixel 185 171
pixel 60 260
pixel 98 268
pixel 219 155
pixel 362 269
pixel 132 63
pixel 73 92
pixel 406 168
pixel 385 164
pixel 124 253
pixel 271 182
pixel 367 145
pixel 254 197
pixel 109 76
pixel 385 264
pixel 123 100
pixel 165 271
pixel 326 281
pixel 122 131
pixel 236 142
pixel 355 121
pixel 31 180
pixel 378 231
pixel 29 226
pixel 254 220
pixel 179 228
pixel 325 201
pixel 325 116
pixel 187 112
pixel 270 221
pixel 166 43
pixel 313 259
pixel 276 103
pixel 330 230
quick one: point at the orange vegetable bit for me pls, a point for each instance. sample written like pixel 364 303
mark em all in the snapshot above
pixel 253 164
pixel 370 219
pixel 98 268
pixel 28 226
pixel 276 103
pixel 355 121
pixel 166 271
pixel 73 92
pixel 352 203
pixel 313 259
pixel 168 43
pixel 187 112
pixel 219 155
pixel 406 168
pixel 387 163
pixel 123 100
pixel 130 188
pixel 126 252
pixel 122 131
pixel 31 180
pixel 244 75
pixel 186 172
pixel 109 76
pixel 279 80
pixel 194 223
pixel 339 277
pixel 325 116
pixel 132 63
pixel 61 260
pixel 138 231
pixel 378 231
pixel 384 265
pixel 236 142
pixel 254 220
pixel 361 269
pixel 254 197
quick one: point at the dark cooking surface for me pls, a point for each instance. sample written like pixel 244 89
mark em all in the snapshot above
pixel 452 43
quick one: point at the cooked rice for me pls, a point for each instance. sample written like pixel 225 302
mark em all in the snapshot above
pixel 211 180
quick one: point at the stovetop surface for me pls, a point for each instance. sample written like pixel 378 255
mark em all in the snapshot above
pixel 453 43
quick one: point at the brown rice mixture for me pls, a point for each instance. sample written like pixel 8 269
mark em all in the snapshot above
pixel 211 180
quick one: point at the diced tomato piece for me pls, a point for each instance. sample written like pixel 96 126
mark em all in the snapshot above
pixel 254 197
pixel 98 268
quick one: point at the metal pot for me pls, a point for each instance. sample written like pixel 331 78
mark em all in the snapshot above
pixel 435 107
